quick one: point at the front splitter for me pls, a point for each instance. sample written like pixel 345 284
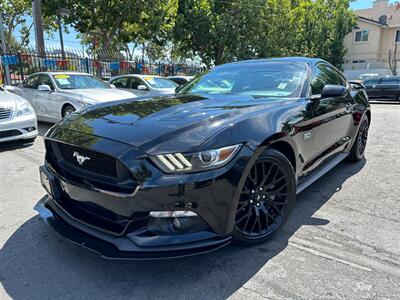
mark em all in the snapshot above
pixel 110 247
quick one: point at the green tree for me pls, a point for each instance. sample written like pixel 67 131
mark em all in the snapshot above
pixel 217 31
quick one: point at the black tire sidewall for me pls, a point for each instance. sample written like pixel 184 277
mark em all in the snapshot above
pixel 66 108
pixel 355 155
pixel 280 159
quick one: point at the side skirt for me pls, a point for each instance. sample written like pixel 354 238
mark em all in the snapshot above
pixel 320 172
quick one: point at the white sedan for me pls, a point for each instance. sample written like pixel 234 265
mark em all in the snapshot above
pixel 17 118
pixel 144 85
pixel 55 95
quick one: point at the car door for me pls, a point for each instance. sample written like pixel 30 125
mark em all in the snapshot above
pixel 372 87
pixel 135 82
pixel 389 88
pixel 331 115
pixel 122 83
pixel 48 103
pixel 29 87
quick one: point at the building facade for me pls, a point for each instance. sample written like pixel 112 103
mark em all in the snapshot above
pixel 368 45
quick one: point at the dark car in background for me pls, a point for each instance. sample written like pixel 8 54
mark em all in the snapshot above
pixel 383 88
pixel 221 160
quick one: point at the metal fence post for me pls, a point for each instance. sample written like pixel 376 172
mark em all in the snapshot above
pixel 87 65
pixel 21 66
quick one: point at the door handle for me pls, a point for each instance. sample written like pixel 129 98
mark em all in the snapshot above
pixel 348 107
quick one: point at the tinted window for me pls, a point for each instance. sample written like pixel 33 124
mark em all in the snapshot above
pixel 325 75
pixel 390 80
pixel 45 79
pixel 135 82
pixel 180 81
pixel 121 82
pixel 371 81
pixel 263 79
pixel 31 82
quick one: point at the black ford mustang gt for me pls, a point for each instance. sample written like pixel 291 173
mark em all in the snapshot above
pixel 221 160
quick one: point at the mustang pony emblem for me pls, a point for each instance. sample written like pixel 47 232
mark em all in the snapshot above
pixel 80 158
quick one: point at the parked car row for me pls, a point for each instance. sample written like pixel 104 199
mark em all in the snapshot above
pixel 54 95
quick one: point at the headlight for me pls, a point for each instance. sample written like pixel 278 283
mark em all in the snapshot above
pixel 195 162
pixel 24 110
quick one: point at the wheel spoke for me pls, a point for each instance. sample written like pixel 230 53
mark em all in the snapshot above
pixel 263 201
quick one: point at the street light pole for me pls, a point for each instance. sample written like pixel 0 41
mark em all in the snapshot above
pixel 61 36
pixel 4 50
pixel 61 12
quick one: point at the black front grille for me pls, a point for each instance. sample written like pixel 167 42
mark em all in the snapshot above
pixel 89 160
pixel 101 219
pixel 9 133
pixel 5 113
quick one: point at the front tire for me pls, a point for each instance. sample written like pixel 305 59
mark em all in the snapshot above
pixel 357 152
pixel 67 110
pixel 266 200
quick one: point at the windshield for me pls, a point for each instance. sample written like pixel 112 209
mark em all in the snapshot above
pixel 160 83
pixel 262 79
pixel 77 81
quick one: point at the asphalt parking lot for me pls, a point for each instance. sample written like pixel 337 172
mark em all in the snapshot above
pixel 342 240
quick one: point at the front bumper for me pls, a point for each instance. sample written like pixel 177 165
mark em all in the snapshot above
pixel 112 247
pixel 210 195
pixel 21 128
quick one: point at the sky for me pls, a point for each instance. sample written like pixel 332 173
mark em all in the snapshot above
pixel 71 40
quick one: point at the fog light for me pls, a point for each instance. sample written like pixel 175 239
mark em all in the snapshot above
pixel 172 214
pixel 30 129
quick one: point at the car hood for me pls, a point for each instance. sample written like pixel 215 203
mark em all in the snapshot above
pixel 99 95
pixel 174 123
pixel 9 100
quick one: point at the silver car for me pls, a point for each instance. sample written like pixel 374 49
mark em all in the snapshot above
pixel 144 85
pixel 17 118
pixel 55 95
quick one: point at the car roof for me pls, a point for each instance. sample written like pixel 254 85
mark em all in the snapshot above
pixel 138 75
pixel 308 60
pixel 61 72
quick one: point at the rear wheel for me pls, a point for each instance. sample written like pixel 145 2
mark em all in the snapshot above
pixel 67 110
pixel 266 199
pixel 358 150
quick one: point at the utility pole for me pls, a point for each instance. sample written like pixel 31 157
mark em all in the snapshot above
pixel 38 25
pixel 4 50
pixel 61 12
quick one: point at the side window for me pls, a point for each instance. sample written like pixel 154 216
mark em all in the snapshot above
pixel 135 82
pixel 31 82
pixel 121 82
pixel 371 81
pixel 391 81
pixel 45 79
pixel 324 75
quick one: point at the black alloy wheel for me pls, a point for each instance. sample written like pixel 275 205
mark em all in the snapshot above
pixel 266 199
pixel 358 150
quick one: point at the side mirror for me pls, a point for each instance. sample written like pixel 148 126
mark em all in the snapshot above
pixel 142 87
pixel 10 88
pixel 331 91
pixel 44 88
pixel 112 86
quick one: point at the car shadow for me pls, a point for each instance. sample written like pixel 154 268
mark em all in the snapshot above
pixel 37 264
pixel 43 127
